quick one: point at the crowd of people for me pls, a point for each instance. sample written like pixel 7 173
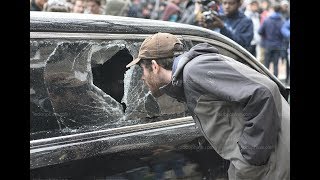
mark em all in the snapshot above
pixel 260 26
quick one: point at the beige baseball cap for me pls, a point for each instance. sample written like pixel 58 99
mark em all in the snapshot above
pixel 157 46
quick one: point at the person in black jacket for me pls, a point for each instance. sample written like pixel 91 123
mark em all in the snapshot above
pixel 239 110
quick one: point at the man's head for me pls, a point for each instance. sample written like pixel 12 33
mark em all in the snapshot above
pixel 93 6
pixel 265 5
pixel 284 5
pixel 79 6
pixel 253 5
pixel 230 7
pixel 155 57
pixel 276 7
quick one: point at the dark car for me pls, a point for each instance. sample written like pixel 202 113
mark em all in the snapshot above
pixel 92 118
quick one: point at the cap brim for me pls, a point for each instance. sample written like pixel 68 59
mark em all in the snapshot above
pixel 135 61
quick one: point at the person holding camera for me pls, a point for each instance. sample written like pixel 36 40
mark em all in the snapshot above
pixel 233 24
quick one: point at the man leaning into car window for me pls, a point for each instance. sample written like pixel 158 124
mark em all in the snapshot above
pixel 239 111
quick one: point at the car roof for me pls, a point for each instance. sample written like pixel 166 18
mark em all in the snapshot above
pixel 76 22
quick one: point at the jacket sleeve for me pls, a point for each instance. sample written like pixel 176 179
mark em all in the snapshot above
pixel 243 33
pixel 285 29
pixel 258 96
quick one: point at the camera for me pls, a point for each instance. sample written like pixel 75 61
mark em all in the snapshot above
pixel 209 9
pixel 208 16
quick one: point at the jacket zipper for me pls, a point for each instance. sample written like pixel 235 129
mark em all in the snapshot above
pixel 204 134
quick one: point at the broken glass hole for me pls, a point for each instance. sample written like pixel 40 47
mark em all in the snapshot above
pixel 109 76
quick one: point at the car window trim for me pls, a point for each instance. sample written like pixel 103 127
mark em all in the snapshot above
pixel 61 153
pixel 87 136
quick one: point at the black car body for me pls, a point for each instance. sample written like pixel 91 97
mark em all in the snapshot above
pixel 92 118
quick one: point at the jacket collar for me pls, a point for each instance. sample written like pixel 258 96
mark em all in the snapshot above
pixel 174 89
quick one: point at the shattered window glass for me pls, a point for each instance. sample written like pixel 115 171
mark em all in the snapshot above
pixel 83 85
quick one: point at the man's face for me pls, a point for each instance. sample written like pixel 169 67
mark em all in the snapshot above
pixel 230 7
pixel 93 8
pixel 78 7
pixel 152 80
pixel 254 7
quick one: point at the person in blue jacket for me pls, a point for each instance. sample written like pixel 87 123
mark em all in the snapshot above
pixel 233 23
pixel 271 38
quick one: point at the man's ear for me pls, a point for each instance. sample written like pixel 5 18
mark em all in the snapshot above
pixel 155 66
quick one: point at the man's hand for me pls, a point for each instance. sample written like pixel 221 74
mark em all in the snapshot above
pixel 215 23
